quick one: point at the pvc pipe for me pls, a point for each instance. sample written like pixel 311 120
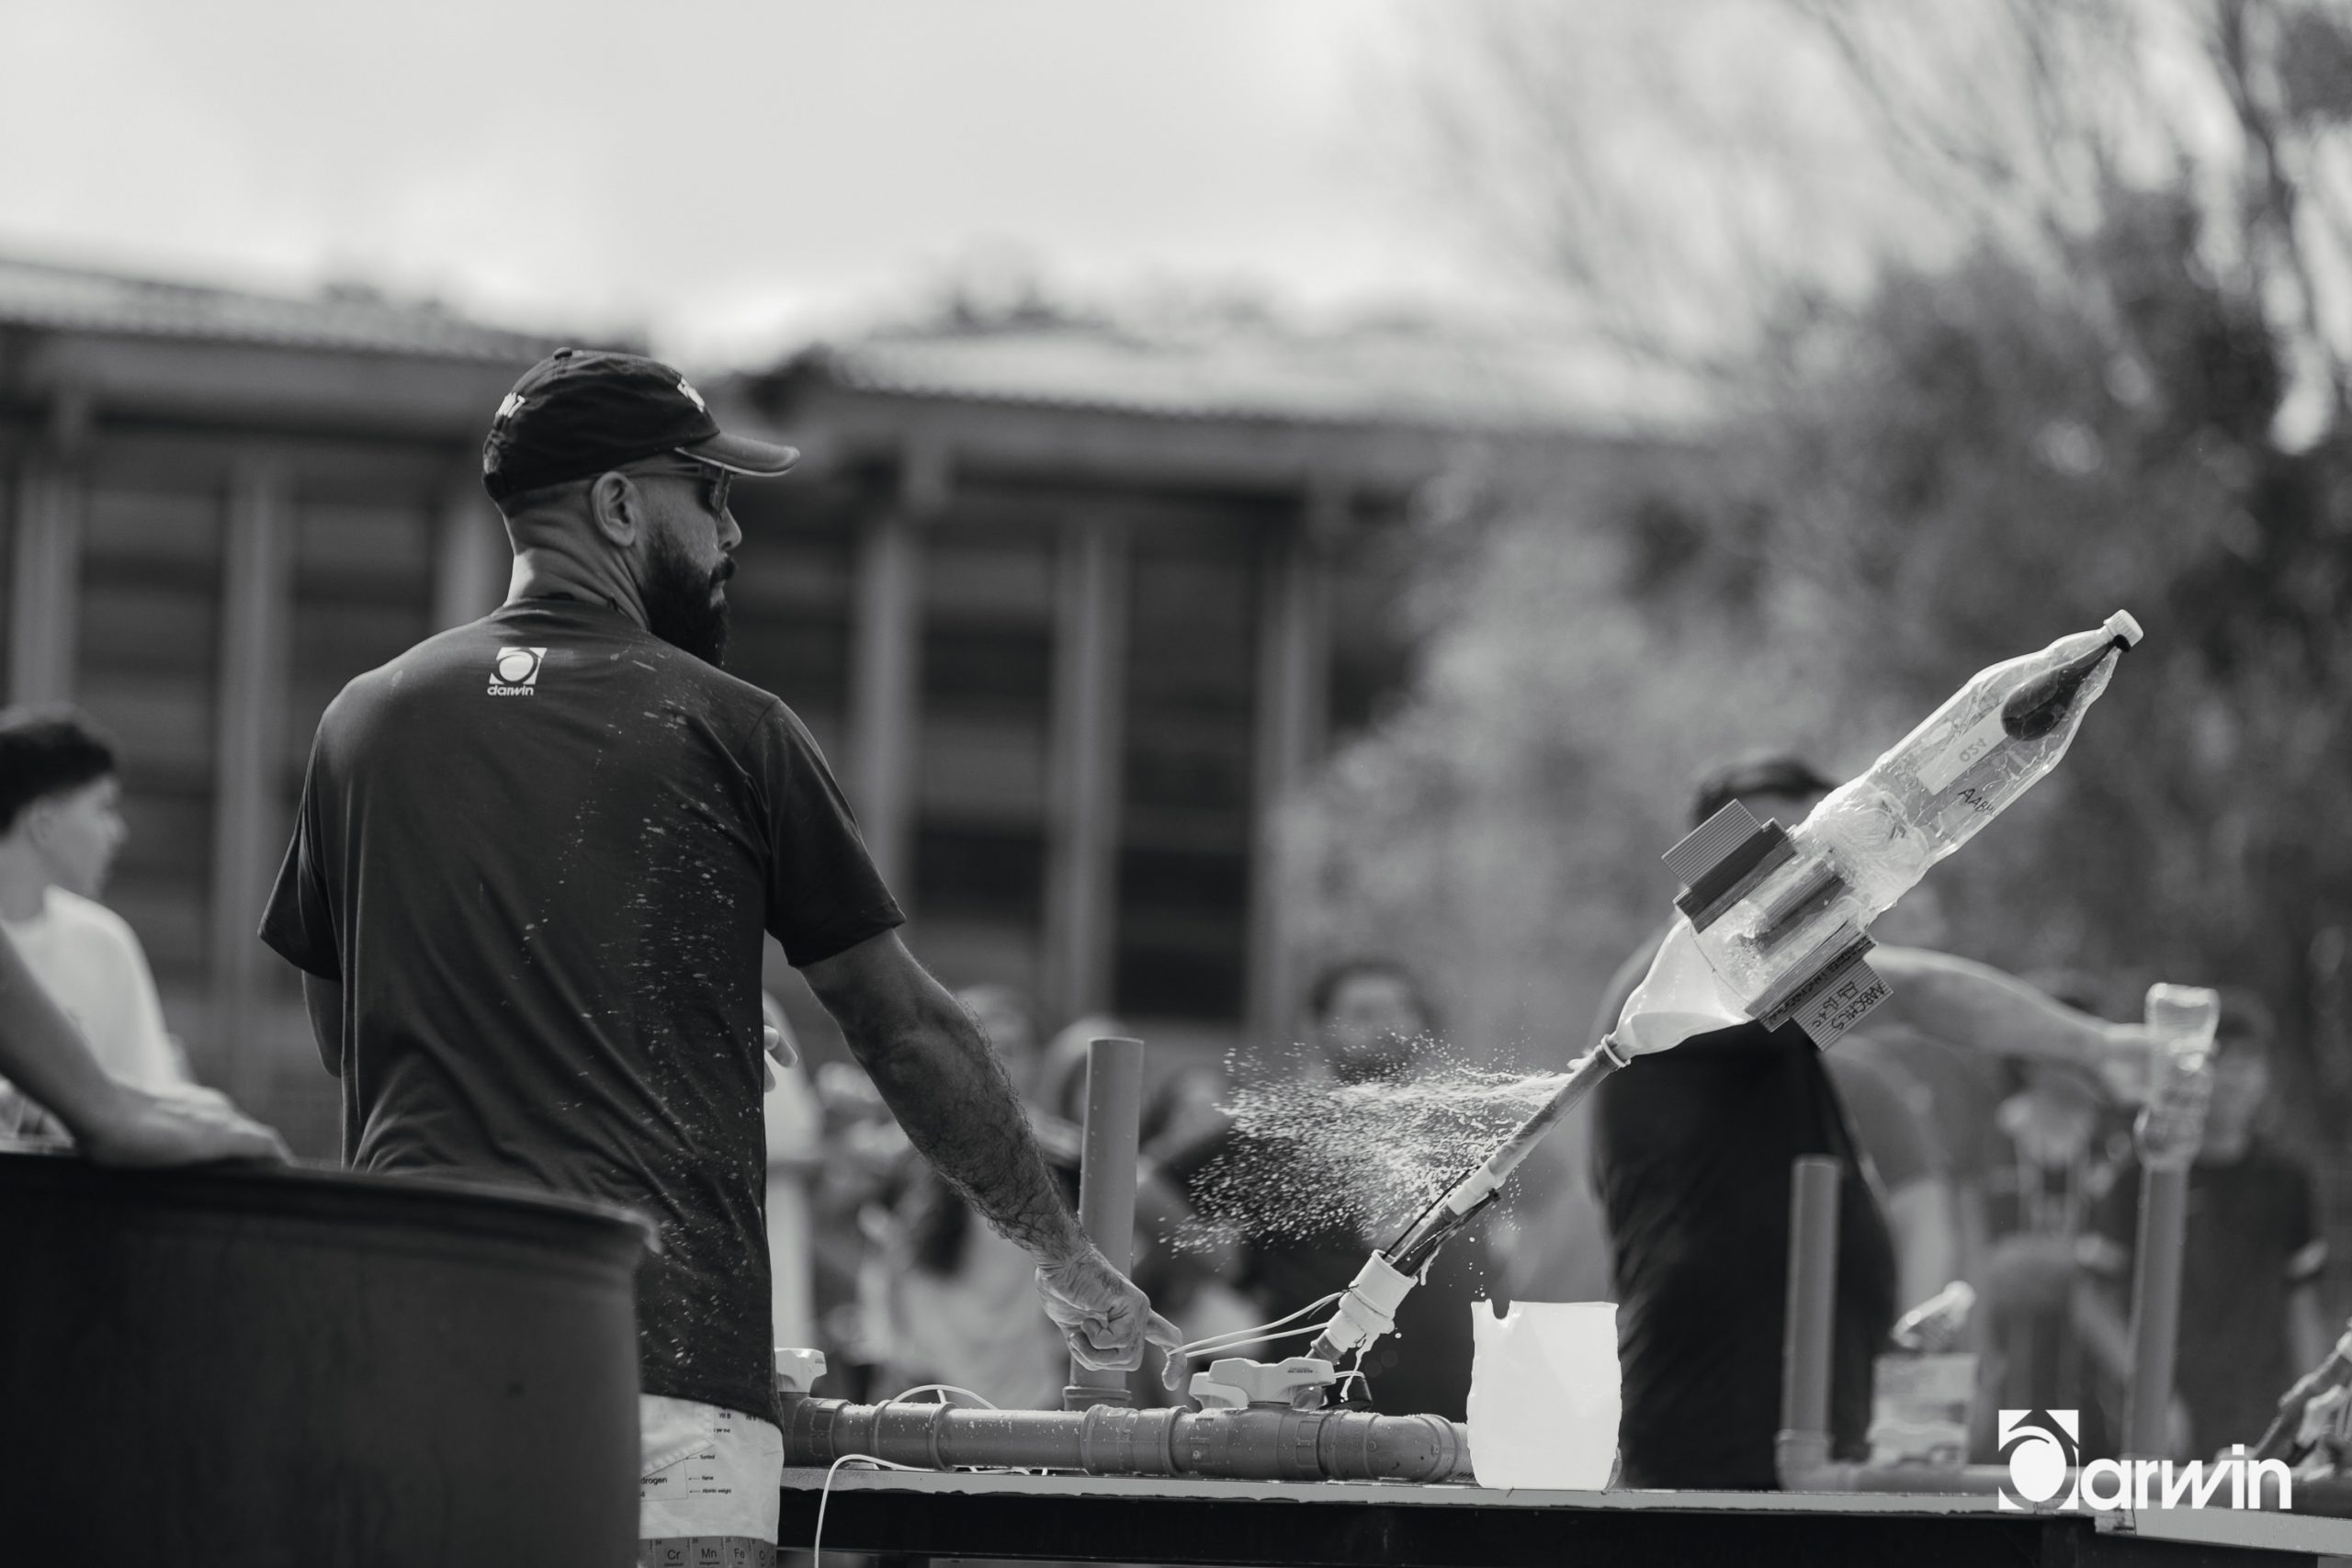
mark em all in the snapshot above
pixel 1106 1187
pixel 1811 1304
pixel 2155 1307
pixel 1260 1443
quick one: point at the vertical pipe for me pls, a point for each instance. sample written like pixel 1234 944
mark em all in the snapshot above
pixel 885 672
pixel 44 587
pixel 2155 1307
pixel 1090 662
pixel 1294 675
pixel 1106 1187
pixel 1812 1281
pixel 249 814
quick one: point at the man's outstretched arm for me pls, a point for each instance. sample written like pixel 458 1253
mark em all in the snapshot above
pixel 112 1123
pixel 943 1081
pixel 1977 1005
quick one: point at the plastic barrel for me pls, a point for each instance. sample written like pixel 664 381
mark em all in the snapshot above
pixel 258 1368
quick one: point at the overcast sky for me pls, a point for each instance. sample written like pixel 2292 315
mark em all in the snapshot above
pixel 726 173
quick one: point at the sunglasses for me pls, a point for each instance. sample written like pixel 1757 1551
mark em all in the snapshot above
pixel 717 485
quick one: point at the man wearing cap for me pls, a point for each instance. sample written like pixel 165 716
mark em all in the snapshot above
pixel 1690 1155
pixel 535 863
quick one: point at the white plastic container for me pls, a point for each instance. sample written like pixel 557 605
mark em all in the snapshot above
pixel 1544 1394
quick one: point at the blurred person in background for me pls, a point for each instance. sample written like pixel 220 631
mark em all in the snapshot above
pixel 796 1154
pixel 1692 1150
pixel 1197 1282
pixel 60 828
pixel 2250 1317
pixel 110 1122
pixel 2057 1149
pixel 1368 1021
pixel 1060 1085
pixel 864 1152
pixel 944 1298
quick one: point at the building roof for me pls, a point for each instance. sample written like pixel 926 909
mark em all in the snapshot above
pixel 73 299
pixel 1407 373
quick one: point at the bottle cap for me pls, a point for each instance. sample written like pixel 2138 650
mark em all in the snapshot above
pixel 2121 625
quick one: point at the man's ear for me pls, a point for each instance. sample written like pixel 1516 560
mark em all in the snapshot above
pixel 619 508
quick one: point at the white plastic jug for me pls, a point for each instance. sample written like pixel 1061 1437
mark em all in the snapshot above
pixel 1545 1396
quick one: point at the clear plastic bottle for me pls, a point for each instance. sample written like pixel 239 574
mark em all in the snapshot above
pixel 2182 1022
pixel 1873 837
pixel 1869 841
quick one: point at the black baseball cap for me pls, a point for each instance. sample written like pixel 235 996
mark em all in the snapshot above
pixel 581 412
pixel 1755 772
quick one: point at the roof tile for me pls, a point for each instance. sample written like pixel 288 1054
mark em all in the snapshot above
pixel 38 294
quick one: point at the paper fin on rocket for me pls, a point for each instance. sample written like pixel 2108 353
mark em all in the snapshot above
pixel 1721 858
pixel 1828 991
pixel 1721 861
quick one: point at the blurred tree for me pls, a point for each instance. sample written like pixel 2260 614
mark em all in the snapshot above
pixel 2019 310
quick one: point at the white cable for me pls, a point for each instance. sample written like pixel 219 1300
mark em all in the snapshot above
pixel 945 1388
pixel 1253 1336
pixel 825 1494
pixel 1266 1339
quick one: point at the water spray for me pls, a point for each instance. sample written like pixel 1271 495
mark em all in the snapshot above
pixel 1368 1309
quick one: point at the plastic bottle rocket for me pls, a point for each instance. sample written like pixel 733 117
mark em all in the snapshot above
pixel 1773 920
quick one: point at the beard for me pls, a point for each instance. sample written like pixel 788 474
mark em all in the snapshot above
pixel 1387 1060
pixel 682 603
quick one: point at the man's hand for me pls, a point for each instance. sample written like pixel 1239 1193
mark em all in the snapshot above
pixel 1100 1313
pixel 186 1126
pixel 776 1051
pixel 2125 1063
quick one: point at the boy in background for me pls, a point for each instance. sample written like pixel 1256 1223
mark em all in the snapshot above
pixel 61 826
pixel 2250 1317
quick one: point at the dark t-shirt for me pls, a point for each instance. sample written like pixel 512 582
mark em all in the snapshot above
pixel 539 853
pixel 1887 1126
pixel 1692 1153
pixel 2253 1239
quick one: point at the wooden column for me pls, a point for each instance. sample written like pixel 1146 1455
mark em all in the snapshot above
pixel 1083 846
pixel 886 666
pixel 250 818
pixel 1294 684
pixel 44 576
pixel 471 560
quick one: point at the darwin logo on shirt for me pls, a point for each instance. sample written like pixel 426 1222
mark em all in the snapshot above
pixel 516 674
